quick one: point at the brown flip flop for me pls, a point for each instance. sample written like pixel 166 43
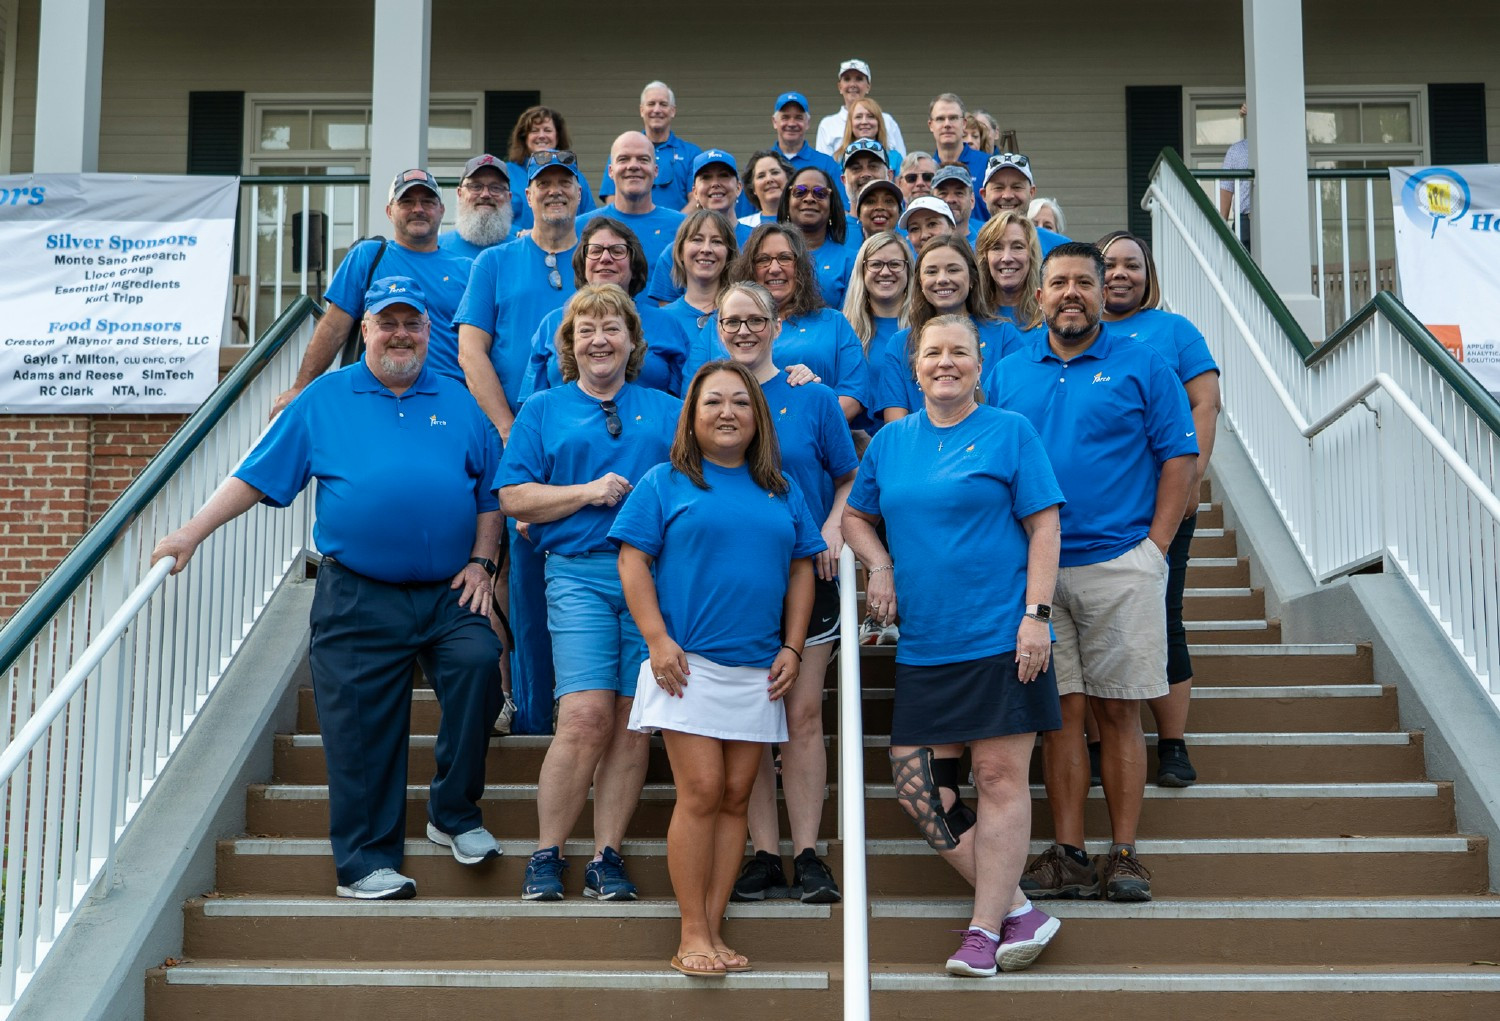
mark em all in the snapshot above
pixel 679 965
pixel 730 956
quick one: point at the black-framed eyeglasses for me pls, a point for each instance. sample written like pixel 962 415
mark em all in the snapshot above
pixel 612 418
pixel 886 265
pixel 817 191
pixel 755 324
pixel 1008 159
pixel 554 277
pixel 916 176
pixel 617 251
pixel 486 189
pixel 546 157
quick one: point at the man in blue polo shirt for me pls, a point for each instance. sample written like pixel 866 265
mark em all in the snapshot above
pixel 632 169
pixel 415 209
pixel 1117 426
pixel 954 186
pixel 716 186
pixel 484 213
pixel 674 156
pixel 790 117
pixel 945 119
pixel 1009 184
pixel 406 524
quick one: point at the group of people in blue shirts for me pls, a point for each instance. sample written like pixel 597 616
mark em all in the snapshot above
pixel 658 424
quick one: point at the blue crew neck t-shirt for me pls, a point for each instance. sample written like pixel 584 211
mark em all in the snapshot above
pixel 508 296
pixel 674 173
pixel 561 439
pixel 442 276
pixel 656 230
pixel 894 384
pixel 723 556
pixel 816 447
pixel 666 349
pixel 824 341
pixel 832 264
pixel 661 287
pixel 451 241
pixel 1110 418
pixel 953 499
pixel 1172 336
pixel 401 479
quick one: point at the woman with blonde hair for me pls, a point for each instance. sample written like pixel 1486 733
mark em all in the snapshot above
pixel 1009 256
pixel 867 120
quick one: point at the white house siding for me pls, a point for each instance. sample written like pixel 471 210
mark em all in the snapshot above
pixel 1054 75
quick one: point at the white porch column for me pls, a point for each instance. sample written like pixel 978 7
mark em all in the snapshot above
pixel 398 99
pixel 1277 133
pixel 70 67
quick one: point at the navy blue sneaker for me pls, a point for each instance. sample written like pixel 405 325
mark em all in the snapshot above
pixel 605 879
pixel 544 874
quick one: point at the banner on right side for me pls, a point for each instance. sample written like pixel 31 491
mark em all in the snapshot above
pixel 1448 258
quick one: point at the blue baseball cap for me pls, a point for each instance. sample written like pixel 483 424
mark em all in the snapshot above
pixel 710 156
pixel 546 159
pixel 791 97
pixel 388 291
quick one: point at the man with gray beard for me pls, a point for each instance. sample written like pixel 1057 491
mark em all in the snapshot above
pixel 484 213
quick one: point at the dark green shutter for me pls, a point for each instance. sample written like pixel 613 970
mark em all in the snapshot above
pixel 216 133
pixel 1153 121
pixel 1455 117
pixel 501 111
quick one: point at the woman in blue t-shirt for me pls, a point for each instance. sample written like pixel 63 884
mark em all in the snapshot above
pixel 538 128
pixel 945 282
pixel 767 173
pixel 811 203
pixel 702 253
pixel 608 252
pixel 1009 256
pixel 775 256
pixel 970 505
pixel 1131 297
pixel 574 453
pixel 818 454
pixel 731 543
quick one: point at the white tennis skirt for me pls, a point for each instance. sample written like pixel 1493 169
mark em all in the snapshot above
pixel 730 703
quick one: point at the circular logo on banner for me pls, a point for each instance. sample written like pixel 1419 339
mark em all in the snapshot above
pixel 1434 195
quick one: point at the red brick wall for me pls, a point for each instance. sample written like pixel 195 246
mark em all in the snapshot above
pixel 58 474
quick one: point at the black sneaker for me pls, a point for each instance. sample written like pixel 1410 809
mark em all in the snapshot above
pixel 812 875
pixel 1174 768
pixel 760 875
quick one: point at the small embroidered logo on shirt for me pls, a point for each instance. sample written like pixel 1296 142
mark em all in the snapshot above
pixel 434 420
pixel 1100 377
pixel 781 412
pixel 969 449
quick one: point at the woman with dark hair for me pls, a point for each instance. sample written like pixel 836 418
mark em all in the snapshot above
pixel 1131 296
pixel 1009 255
pixel 538 128
pixel 775 256
pixel 817 453
pixel 811 203
pixel 716 550
pixel 970 505
pixel 946 282
pixel 574 453
pixel 767 173
pixel 703 251
pixel 608 252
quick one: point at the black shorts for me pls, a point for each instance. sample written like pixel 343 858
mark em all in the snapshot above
pixel 1179 659
pixel 823 626
pixel 959 702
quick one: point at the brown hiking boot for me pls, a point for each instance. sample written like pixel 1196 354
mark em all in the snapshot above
pixel 1123 876
pixel 1053 875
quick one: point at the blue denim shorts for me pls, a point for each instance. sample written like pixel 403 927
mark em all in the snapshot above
pixel 595 643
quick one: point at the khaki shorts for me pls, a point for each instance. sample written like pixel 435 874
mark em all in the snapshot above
pixel 1111 624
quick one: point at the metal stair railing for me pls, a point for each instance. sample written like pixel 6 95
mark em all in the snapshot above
pixel 1375 446
pixel 106 673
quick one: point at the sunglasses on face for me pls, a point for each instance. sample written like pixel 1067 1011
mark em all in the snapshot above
pixel 913 178
pixel 817 191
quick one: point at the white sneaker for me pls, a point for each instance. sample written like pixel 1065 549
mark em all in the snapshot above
pixel 889 635
pixel 507 716
pixel 469 848
pixel 869 632
pixel 382 884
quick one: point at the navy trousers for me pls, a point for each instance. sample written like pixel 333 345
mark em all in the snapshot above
pixel 366 637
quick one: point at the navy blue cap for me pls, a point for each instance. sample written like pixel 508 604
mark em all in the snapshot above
pixel 388 291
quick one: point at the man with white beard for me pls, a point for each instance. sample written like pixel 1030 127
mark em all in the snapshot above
pixel 484 213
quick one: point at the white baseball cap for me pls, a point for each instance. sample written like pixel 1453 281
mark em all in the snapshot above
pixel 927 203
pixel 855 64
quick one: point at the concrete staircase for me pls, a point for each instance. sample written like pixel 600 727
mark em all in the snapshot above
pixel 1314 871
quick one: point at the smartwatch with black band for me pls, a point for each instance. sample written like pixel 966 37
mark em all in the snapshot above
pixel 490 567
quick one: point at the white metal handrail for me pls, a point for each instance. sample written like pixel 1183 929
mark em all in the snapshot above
pixel 1373 449
pixel 106 688
pixel 851 739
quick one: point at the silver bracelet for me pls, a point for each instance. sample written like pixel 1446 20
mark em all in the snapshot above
pixel 877 570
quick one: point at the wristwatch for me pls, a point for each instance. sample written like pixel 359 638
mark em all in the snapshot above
pixel 490 567
pixel 1039 611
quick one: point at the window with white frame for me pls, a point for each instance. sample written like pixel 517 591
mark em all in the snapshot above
pixel 1349 127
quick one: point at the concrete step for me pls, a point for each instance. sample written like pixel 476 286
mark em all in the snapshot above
pixel 1214 542
pixel 924 992
pixel 1431 866
pixel 1218 571
pixel 1215 707
pixel 1205 810
pixel 292 990
pixel 1331 932
pixel 1219 756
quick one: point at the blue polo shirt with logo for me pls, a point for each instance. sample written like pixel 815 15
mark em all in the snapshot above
pixel 1109 418
pixel 401 479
